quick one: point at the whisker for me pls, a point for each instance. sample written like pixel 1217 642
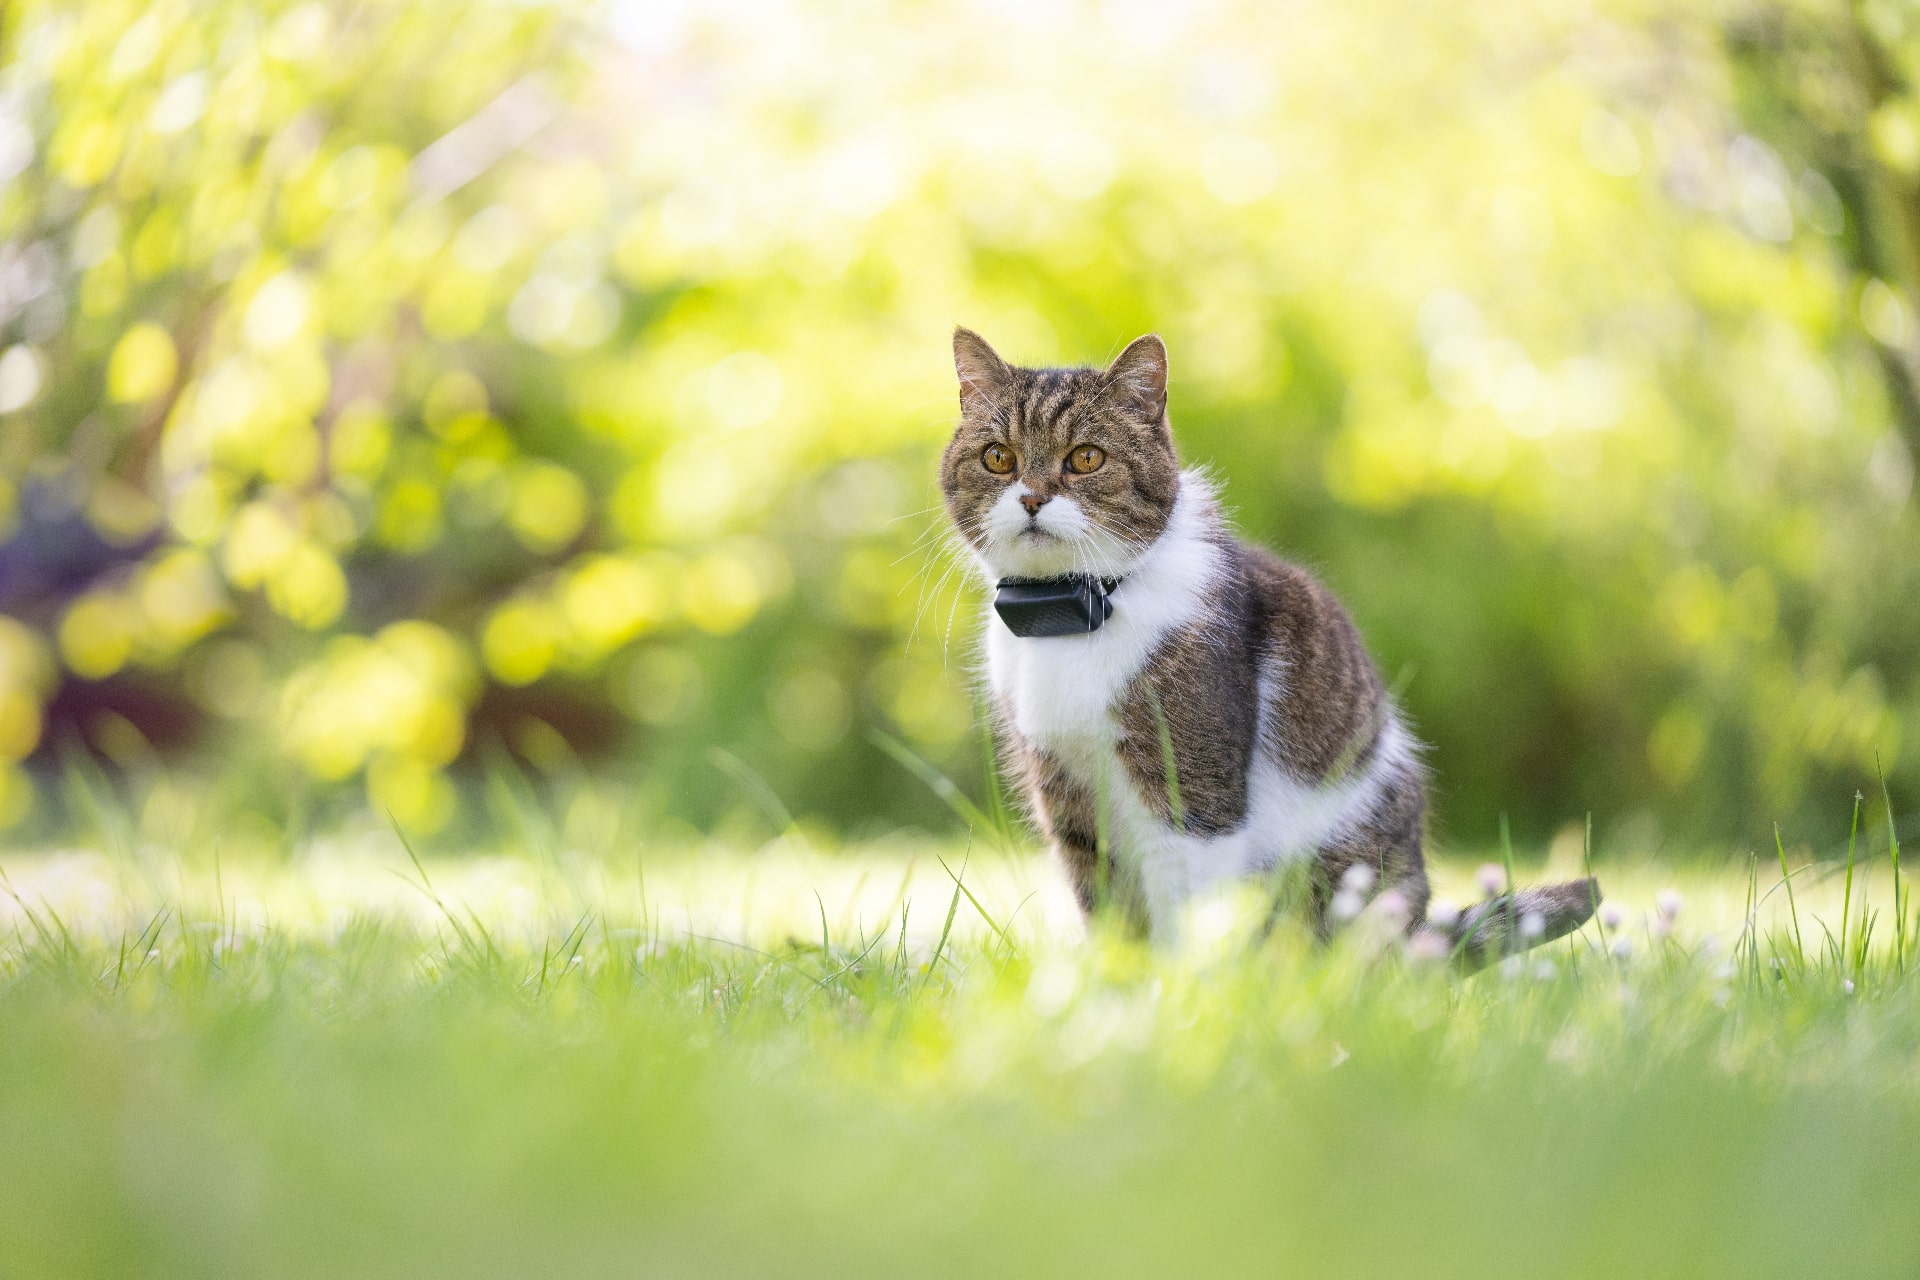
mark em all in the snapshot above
pixel 924 511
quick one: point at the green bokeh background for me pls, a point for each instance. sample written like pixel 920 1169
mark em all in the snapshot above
pixel 395 396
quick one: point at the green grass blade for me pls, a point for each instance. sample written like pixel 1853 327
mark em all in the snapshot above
pixel 1846 901
pixel 997 808
pixel 1170 768
pixel 948 791
pixel 993 924
pixel 1899 891
pixel 763 796
pixel 1510 940
pixel 1793 907
pixel 946 930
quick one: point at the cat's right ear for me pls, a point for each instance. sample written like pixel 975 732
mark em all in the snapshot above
pixel 1142 370
pixel 983 374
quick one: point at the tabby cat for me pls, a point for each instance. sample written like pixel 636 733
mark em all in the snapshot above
pixel 1133 629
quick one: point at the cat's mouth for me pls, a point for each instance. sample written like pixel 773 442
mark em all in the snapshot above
pixel 1035 531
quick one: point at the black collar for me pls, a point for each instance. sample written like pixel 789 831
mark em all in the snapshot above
pixel 1075 604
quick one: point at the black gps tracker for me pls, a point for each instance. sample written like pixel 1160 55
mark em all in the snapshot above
pixel 1074 605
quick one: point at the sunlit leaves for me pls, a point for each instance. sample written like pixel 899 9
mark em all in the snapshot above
pixel 143 364
pixel 150 618
pixel 26 677
pixel 599 346
pixel 403 692
pixel 519 642
pixel 302 581
pixel 548 506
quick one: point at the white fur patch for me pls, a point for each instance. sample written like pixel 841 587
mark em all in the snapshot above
pixel 1061 692
pixel 1061 688
pixel 1057 539
pixel 1287 820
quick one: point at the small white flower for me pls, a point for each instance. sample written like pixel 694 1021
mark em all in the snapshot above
pixel 1492 878
pixel 1427 946
pixel 1347 904
pixel 1392 905
pixel 1358 878
pixel 1443 914
pixel 1662 924
pixel 1611 915
pixel 1545 970
pixel 576 961
pixel 1511 967
pixel 1532 925
pixel 1846 985
pixel 1668 903
pixel 1622 947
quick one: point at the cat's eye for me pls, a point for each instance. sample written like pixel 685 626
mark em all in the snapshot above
pixel 997 458
pixel 1088 457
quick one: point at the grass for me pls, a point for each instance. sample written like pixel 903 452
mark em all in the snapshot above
pixel 910 1063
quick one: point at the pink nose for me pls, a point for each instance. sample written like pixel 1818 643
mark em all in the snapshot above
pixel 1034 501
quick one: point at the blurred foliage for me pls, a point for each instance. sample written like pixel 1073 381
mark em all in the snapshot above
pixel 391 393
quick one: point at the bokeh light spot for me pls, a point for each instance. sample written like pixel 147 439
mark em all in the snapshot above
pixel 518 642
pixel 548 508
pixel 1609 144
pixel 810 708
pixel 663 686
pixel 744 390
pixel 97 634
pixel 720 592
pixel 22 372
pixel 142 365
pixel 278 311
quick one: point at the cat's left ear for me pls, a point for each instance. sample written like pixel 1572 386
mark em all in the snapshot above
pixel 1142 370
pixel 983 374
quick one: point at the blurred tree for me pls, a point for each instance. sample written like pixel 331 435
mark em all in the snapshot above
pixel 392 392
pixel 1834 86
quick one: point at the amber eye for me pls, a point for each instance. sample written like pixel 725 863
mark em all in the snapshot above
pixel 1086 458
pixel 997 458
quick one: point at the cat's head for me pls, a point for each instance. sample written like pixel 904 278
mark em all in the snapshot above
pixel 1056 471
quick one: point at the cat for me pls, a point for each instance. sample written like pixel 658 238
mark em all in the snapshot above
pixel 1132 628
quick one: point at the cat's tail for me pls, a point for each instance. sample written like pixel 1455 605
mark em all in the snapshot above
pixel 1512 922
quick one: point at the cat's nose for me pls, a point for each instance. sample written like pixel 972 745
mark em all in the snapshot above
pixel 1034 501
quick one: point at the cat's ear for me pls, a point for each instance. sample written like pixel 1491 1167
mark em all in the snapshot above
pixel 1141 370
pixel 983 374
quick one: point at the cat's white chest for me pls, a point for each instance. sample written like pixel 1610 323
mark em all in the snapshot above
pixel 1061 690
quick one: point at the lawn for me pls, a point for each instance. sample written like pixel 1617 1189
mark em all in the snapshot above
pixel 733 1063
